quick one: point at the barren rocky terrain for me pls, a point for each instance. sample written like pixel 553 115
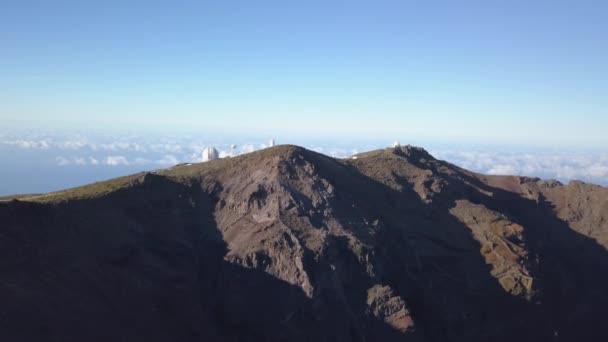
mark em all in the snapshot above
pixel 286 244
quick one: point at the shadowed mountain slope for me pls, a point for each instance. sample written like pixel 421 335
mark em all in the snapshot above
pixel 286 244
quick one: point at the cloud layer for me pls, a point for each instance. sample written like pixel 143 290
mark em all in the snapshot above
pixel 164 151
pixel 562 165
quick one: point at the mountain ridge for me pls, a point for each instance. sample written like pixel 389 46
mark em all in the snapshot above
pixel 289 244
pixel 287 149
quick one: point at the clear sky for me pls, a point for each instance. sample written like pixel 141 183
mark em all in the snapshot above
pixel 493 71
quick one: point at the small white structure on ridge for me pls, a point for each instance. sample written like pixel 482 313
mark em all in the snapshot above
pixel 396 144
pixel 210 153
pixel 271 144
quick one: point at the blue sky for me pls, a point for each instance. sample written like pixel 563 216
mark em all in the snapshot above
pixel 526 72
pixel 91 90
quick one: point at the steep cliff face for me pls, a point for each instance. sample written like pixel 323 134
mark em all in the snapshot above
pixel 287 244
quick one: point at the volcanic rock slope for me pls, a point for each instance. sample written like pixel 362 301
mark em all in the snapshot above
pixel 286 244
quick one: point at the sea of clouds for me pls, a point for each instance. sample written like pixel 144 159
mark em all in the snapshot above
pixel 71 159
pixel 564 165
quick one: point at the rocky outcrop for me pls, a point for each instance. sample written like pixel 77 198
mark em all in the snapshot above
pixel 287 244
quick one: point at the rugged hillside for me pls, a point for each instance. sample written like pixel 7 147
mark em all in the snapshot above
pixel 289 245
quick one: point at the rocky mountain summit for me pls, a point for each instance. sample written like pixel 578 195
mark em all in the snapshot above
pixel 286 244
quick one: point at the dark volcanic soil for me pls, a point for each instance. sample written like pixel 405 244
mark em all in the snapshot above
pixel 289 245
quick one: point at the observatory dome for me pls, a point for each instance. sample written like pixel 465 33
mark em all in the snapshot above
pixel 210 153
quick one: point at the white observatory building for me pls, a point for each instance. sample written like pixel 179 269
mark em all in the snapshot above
pixel 210 153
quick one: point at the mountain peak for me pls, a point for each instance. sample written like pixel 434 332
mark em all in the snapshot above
pixel 413 153
pixel 289 244
pixel 282 150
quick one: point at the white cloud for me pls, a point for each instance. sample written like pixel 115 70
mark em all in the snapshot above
pixel 225 154
pixel 248 148
pixel 196 147
pixel 61 161
pixel 119 146
pixel 502 169
pixel 116 160
pixel 565 166
pixel 195 157
pixel 77 144
pixel 93 161
pixel 72 144
pixel 29 144
pixel 598 171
